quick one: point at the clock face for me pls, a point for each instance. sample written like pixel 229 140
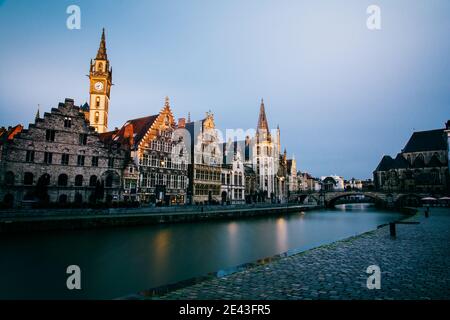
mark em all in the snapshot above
pixel 98 86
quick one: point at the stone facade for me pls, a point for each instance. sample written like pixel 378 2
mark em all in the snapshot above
pixel 206 162
pixel 422 166
pixel 59 158
pixel 232 174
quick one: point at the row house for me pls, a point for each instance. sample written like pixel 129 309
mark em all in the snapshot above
pixel 59 158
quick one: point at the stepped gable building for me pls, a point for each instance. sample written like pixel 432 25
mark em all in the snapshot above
pixel 422 166
pixel 292 179
pixel 158 172
pixel 59 158
pixel 232 173
pixel 206 162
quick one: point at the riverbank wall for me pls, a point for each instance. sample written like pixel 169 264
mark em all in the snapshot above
pixel 89 219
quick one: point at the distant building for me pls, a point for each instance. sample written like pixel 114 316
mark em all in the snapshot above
pixel 332 183
pixel 422 166
pixel 292 179
pixel 353 184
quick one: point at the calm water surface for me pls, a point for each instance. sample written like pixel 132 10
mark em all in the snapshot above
pixel 117 262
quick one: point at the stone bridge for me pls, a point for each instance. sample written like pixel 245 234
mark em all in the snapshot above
pixel 385 199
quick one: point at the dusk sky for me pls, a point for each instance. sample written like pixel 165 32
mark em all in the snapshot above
pixel 343 95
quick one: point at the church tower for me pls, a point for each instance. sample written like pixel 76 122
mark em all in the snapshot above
pixel 100 78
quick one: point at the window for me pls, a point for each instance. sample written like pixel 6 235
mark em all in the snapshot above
pixel 65 159
pixel 30 156
pixel 79 181
pixel 67 122
pixel 144 180
pixel 9 178
pixel 111 162
pixel 83 139
pixel 93 181
pixel 80 160
pixel 97 103
pixel 95 161
pixel 152 180
pixel 62 180
pixel 97 116
pixel 78 198
pixel 160 179
pixel 109 181
pixel 63 198
pixel 50 135
pixel 44 180
pixel 48 157
pixel 28 179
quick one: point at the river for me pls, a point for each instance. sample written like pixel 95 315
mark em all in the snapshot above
pixel 120 261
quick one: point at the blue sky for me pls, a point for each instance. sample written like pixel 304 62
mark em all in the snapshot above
pixel 343 95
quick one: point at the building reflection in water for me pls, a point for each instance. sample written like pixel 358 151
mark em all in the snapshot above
pixel 160 249
pixel 233 239
pixel 282 235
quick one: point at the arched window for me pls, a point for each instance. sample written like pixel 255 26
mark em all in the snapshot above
pixel 79 181
pixel 28 179
pixel 109 181
pixel 62 180
pixel 9 178
pixel 240 178
pixel 8 200
pixel 63 198
pixel 44 180
pixel 97 114
pixel 78 198
pixel 93 181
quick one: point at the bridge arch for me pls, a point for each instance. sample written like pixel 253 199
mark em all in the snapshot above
pixel 330 200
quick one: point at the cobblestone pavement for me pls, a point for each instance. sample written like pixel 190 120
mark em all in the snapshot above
pixel 415 265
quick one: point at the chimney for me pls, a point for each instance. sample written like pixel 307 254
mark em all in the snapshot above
pixel 182 123
pixel 129 134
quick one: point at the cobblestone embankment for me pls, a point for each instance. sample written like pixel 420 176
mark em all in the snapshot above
pixel 415 265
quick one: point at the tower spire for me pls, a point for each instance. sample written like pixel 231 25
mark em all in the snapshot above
pixel 101 54
pixel 37 113
pixel 262 120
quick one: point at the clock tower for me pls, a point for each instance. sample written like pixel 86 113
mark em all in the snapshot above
pixel 100 79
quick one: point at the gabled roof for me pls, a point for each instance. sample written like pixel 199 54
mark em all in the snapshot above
pixel 431 140
pixel 10 133
pixel 386 163
pixel 132 131
pixel 400 162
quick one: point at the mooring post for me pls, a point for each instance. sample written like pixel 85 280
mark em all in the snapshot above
pixel 392 229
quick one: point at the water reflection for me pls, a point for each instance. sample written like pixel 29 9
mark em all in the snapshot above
pixel 120 261
pixel 282 235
